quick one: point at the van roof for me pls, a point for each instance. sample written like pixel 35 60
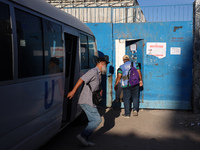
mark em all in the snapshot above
pixel 51 11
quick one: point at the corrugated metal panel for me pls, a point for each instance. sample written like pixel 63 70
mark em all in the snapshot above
pixel 134 14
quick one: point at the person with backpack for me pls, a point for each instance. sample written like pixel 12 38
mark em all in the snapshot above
pixel 131 79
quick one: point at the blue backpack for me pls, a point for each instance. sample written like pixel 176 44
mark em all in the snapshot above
pixel 133 76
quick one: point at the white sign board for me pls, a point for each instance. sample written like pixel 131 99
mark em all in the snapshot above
pixel 133 47
pixel 175 51
pixel 156 49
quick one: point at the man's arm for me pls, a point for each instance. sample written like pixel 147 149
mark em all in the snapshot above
pixel 119 75
pixel 78 84
pixel 140 76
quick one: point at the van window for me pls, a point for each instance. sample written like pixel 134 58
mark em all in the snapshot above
pixel 53 47
pixel 30 47
pixel 84 52
pixel 92 46
pixel 88 52
pixel 40 46
pixel 6 72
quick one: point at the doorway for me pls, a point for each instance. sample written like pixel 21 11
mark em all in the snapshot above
pixel 70 55
pixel 134 48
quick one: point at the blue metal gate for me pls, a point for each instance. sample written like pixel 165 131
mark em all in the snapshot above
pixel 164 51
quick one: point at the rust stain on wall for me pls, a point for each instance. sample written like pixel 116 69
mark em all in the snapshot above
pixel 177 27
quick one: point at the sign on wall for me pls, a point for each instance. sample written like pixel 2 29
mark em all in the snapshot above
pixel 156 49
pixel 175 51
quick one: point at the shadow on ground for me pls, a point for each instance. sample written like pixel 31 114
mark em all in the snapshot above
pixel 151 130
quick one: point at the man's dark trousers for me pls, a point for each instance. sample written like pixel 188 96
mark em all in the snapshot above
pixel 131 94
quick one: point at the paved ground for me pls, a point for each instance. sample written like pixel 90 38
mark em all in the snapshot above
pixel 151 130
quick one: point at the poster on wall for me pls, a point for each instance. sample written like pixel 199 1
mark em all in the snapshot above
pixel 133 48
pixel 157 49
pixel 175 51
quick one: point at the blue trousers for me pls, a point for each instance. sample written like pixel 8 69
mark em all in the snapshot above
pixel 131 94
pixel 94 119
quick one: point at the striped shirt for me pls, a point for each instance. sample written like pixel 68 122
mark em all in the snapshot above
pixel 124 70
pixel 119 70
pixel 91 77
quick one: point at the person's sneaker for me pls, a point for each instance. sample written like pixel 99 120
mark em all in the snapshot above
pixel 90 143
pixel 82 140
pixel 126 116
pixel 135 113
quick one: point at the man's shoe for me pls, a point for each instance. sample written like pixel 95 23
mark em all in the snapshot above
pixel 135 113
pixel 126 116
pixel 82 140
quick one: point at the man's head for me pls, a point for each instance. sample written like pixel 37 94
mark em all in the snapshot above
pixel 125 58
pixel 53 61
pixel 102 64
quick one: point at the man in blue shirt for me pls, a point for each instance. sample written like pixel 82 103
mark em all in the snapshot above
pixel 129 92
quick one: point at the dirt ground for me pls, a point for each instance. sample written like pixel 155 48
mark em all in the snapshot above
pixel 150 130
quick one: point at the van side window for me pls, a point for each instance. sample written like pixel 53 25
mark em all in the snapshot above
pixel 84 52
pixel 88 51
pixel 92 46
pixel 40 46
pixel 53 47
pixel 6 72
pixel 30 48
